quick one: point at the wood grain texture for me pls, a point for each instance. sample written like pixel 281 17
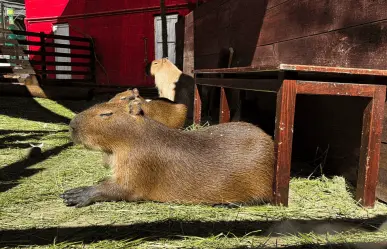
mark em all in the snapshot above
pixel 332 88
pixel 302 18
pixel 357 47
pixel 224 110
pixel 283 136
pixel 370 148
pixel 268 85
pixel 197 107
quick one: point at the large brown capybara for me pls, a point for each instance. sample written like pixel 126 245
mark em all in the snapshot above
pixel 162 110
pixel 221 164
pixel 172 83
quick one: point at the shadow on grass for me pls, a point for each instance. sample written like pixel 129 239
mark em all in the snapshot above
pixel 360 245
pixel 30 109
pixel 174 230
pixel 15 139
pixel 10 174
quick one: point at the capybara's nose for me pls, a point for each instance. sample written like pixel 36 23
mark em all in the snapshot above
pixel 73 123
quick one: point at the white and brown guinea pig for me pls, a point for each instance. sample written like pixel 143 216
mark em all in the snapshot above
pixel 172 83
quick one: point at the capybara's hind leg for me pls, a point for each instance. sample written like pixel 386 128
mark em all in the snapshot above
pixel 84 196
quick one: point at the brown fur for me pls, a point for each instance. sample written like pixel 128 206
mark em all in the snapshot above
pixel 166 76
pixel 225 163
pixel 172 83
pixel 162 110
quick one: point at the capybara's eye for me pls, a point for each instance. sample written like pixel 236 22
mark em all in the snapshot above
pixel 106 114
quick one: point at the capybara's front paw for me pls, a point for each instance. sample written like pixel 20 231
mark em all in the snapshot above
pixel 78 197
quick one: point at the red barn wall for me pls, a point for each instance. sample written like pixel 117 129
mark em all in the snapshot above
pixel 118 29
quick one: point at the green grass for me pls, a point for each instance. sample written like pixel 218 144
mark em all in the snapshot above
pixel 321 211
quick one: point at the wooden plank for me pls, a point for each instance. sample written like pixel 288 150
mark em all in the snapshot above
pixel 357 47
pixel 293 67
pixel 267 85
pixel 56 45
pixel 87 56
pixel 224 110
pixel 332 88
pixel 59 63
pixel 303 18
pixel 370 148
pixel 68 82
pixel 197 115
pixel 64 72
pixel 283 137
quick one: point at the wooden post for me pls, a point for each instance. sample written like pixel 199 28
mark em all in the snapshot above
pixel 286 102
pixel 43 56
pixel 224 110
pixel 370 148
pixel 197 106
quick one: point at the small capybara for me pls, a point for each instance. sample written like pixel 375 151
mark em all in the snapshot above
pixel 162 110
pixel 172 83
pixel 230 163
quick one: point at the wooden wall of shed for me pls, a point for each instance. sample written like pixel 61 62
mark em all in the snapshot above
pixel 330 33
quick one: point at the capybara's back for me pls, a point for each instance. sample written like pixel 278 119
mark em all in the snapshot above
pixel 225 163
pixel 162 110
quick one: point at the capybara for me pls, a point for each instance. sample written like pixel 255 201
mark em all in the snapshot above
pixel 162 110
pixel 230 163
pixel 172 83
pixel 126 95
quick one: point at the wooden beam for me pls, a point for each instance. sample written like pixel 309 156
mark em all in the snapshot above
pixel 370 148
pixel 224 110
pixel 197 107
pixel 332 88
pixel 283 137
pixel 268 85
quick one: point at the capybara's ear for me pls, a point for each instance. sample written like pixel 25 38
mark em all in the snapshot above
pixel 135 107
pixel 136 93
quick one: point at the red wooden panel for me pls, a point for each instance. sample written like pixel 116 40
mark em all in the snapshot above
pixel 357 47
pixel 301 18
pixel 118 29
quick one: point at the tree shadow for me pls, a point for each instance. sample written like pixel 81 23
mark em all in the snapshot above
pixel 29 109
pixel 175 229
pixel 14 139
pixel 10 174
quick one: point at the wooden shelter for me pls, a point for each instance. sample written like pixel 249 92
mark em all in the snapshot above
pixel 333 41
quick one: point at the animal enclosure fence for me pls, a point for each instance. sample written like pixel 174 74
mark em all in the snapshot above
pixel 25 53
